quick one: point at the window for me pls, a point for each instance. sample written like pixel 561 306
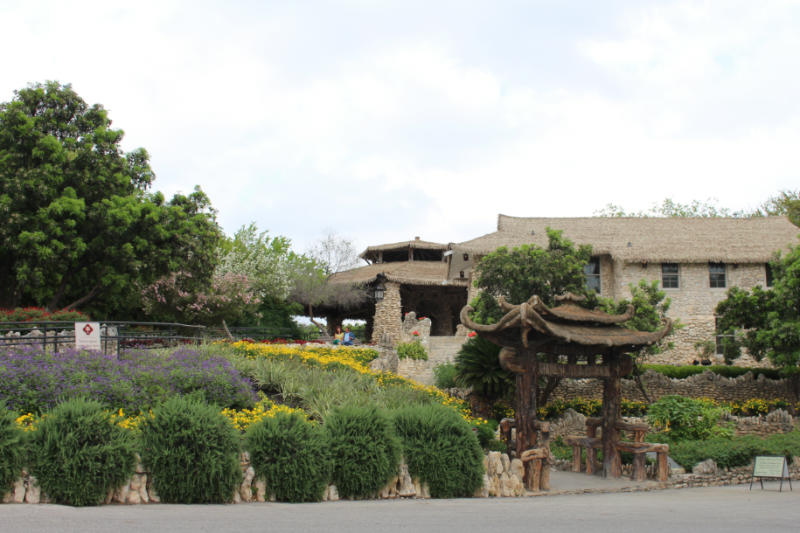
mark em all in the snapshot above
pixel 716 275
pixel 768 268
pixel 669 275
pixel 592 271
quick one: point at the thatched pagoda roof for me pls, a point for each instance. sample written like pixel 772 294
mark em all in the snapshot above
pixel 532 322
pixel 417 243
pixel 655 239
pixel 406 272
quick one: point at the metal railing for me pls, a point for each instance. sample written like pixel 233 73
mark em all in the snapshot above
pixel 115 335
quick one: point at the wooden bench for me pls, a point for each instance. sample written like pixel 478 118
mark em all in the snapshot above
pixel 591 443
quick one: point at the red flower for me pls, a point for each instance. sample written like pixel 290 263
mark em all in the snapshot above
pixel 471 334
pixel 415 333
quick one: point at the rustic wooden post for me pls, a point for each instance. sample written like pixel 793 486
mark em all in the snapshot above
pixel 612 464
pixel 663 466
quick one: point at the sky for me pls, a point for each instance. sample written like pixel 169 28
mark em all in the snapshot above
pixel 382 121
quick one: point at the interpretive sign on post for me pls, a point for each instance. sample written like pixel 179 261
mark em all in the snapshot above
pixel 87 336
pixel 770 466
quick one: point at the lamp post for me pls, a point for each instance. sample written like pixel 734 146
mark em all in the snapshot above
pixel 378 292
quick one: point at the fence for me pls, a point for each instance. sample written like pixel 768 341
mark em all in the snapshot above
pixel 115 335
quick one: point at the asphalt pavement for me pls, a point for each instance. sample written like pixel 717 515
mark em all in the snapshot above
pixel 713 509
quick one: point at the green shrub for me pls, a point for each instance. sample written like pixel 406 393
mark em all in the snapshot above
pixel 192 451
pixel 12 449
pixel 478 367
pixel 78 454
pixel 682 418
pixel 440 449
pixel 291 455
pixel 485 430
pixel 444 376
pixel 736 451
pixel 364 450
pixel 412 350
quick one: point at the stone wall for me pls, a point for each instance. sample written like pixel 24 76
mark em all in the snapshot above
pixel 502 477
pixel 705 385
pixel 692 303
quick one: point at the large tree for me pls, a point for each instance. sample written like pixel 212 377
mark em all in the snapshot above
pixel 516 275
pixel 80 227
pixel 519 273
pixel 765 321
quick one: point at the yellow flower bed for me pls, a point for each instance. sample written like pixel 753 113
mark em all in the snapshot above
pixel 244 418
pixel 354 358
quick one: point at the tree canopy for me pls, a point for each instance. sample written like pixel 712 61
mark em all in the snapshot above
pixel 765 321
pixel 785 203
pixel 80 227
pixel 530 269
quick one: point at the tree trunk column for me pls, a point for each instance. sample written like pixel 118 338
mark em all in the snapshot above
pixel 612 463
pixel 524 416
pixel 388 314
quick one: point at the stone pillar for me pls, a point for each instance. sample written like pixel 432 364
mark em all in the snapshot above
pixel 388 314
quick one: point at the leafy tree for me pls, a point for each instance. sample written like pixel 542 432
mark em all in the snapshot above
pixel 530 269
pixel 79 225
pixel 266 262
pixel 670 208
pixel 786 203
pixel 765 321
pixel 516 275
pixel 311 288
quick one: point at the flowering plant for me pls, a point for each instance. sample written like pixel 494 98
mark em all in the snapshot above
pixel 471 334
pixel 415 333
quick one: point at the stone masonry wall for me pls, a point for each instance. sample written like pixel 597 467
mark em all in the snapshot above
pixel 705 385
pixel 693 303
pixel 502 477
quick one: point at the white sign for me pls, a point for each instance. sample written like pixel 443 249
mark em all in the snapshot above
pixel 87 335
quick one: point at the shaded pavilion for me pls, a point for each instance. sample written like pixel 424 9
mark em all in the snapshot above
pixel 566 341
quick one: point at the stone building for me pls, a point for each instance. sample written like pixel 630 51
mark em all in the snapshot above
pixel 695 260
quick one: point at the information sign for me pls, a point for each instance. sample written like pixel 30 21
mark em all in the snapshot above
pixel 87 336
pixel 770 466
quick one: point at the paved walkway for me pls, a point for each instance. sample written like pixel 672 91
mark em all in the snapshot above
pixel 710 509
pixel 576 483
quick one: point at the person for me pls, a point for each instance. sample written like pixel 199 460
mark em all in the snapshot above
pixel 338 337
pixel 348 338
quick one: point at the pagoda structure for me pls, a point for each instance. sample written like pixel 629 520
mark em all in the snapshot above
pixel 566 341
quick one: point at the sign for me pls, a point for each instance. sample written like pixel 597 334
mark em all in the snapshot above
pixel 771 466
pixel 87 336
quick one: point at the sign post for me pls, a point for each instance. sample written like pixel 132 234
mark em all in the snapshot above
pixel 770 466
pixel 87 336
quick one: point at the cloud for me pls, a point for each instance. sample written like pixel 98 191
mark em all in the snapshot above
pixel 381 125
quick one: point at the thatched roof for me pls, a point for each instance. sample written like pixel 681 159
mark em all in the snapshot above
pixel 407 272
pixel 566 324
pixel 403 245
pixel 636 239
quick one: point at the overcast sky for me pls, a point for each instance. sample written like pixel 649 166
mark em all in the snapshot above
pixel 382 121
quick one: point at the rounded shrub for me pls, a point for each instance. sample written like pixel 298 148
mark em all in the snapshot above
pixel 440 449
pixel 12 449
pixel 681 418
pixel 192 451
pixel 78 453
pixel 291 455
pixel 365 452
